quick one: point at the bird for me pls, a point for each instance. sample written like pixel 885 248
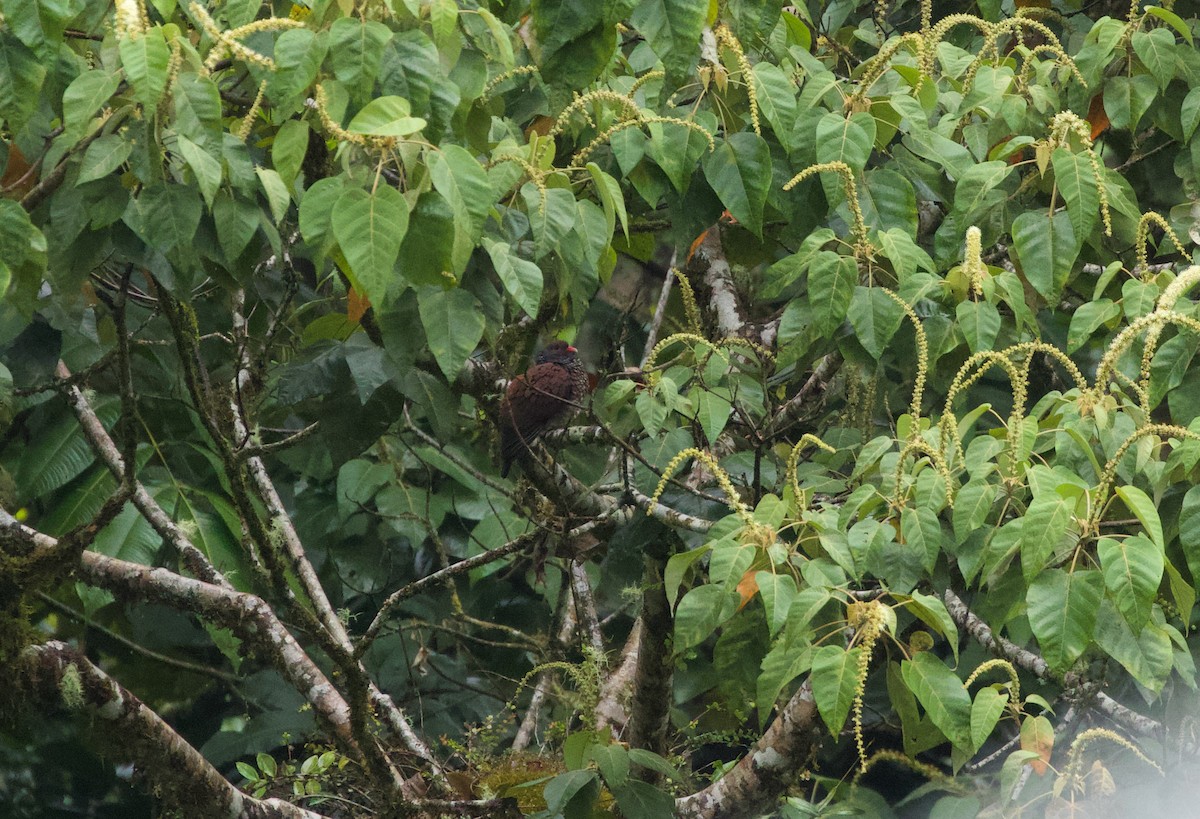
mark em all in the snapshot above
pixel 546 393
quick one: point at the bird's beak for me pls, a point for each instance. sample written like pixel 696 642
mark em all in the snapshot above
pixel 571 349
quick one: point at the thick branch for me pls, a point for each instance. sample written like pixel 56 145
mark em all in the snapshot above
pixel 53 676
pixel 762 775
pixel 718 277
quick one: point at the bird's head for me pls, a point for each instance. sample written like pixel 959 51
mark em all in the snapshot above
pixel 556 352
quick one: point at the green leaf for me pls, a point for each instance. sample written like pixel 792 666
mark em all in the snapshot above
pixel 1189 113
pixel 1133 569
pixel 699 613
pixel 776 99
pixel 458 176
pixel 386 117
pixel 1046 522
pixel 972 505
pixel 1077 182
pixel 611 199
pixel 551 217
pixel 288 149
pixel 276 190
pixel 369 228
pixel 1144 652
pixel 1145 511
pixel 1189 531
pixel 921 529
pixel 145 59
pixel 298 56
pixel 1173 20
pixel 87 93
pixel 980 324
pixel 672 28
pixel 169 215
pixel 875 319
pixel 677 568
pixel 1089 317
pixel 713 410
pixel 129 537
pixel 942 695
pixel 1157 50
pixel 1126 99
pixel 739 170
pixel 206 167
pixel 1062 610
pixel 355 51
pixel 777 591
pixel 21 76
pixel 888 201
pixel 427 251
pixel 931 611
pixel 651 411
pixel 986 711
pixel 521 278
pixel 831 281
pixel 236 221
pixel 834 680
pixel 842 139
pixel 979 188
pixel 58 455
pixel 453 326
pixel 1047 249
pixel 641 800
pixel 102 157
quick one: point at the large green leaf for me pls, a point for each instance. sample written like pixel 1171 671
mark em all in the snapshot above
pixel 699 613
pixel 972 505
pixel 875 318
pixel 167 215
pixel 87 94
pixel 980 324
pixel 458 176
pixel 986 710
pixel 21 75
pixel 551 216
pixel 298 56
pixel 145 59
pixel 355 51
pixel 1189 531
pixel 1133 569
pixel 739 170
pixel 834 682
pixel 1062 612
pixel 521 277
pixel 831 281
pixel 1126 99
pixel 845 139
pixel 369 228
pixel 453 326
pixel 672 28
pixel 776 99
pixel 1145 510
pixel 942 695
pixel 777 591
pixel 1157 50
pixel 1076 181
pixel 1046 522
pixel 1047 248
pixel 1145 652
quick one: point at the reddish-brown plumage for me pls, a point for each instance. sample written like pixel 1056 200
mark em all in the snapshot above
pixel 546 393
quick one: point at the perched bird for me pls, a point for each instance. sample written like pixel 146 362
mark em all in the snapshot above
pixel 546 393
